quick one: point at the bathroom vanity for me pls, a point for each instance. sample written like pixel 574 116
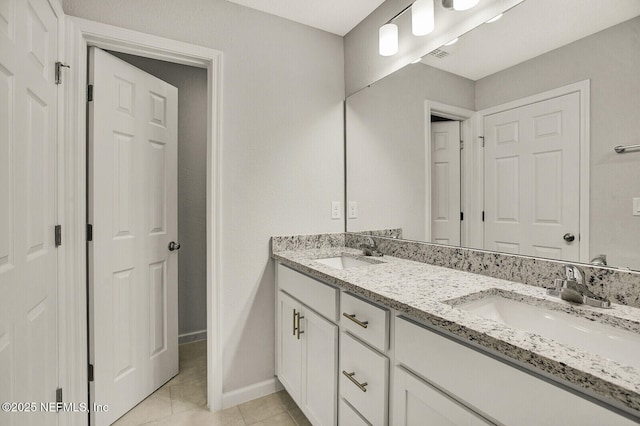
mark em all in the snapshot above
pixel 378 341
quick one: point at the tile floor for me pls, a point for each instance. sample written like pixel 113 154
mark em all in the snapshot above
pixel 183 401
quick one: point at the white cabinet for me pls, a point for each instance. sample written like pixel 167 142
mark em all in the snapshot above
pixel 307 359
pixel 364 379
pixel 319 365
pixel 290 348
pixel 417 403
pixel 498 390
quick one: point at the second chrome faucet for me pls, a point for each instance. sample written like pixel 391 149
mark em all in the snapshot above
pixel 574 289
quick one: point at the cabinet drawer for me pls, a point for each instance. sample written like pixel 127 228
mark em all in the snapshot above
pixel 348 417
pixel 320 297
pixel 364 378
pixel 365 320
pixel 497 390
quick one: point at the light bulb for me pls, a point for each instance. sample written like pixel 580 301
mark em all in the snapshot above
pixel 422 17
pixel 388 40
pixel 464 4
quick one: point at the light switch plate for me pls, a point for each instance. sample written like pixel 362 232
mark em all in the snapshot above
pixel 353 210
pixel 335 210
pixel 636 206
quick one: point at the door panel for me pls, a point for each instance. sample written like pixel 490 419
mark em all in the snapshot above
pixel 133 209
pixel 532 179
pixel 445 182
pixel 290 351
pixel 28 258
pixel 320 360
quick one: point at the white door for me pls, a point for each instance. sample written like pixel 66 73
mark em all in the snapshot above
pixel 320 363
pixel 532 179
pixel 133 209
pixel 445 182
pixel 28 258
pixel 417 403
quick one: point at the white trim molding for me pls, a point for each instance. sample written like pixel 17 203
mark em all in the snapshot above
pixel 248 393
pixel 80 35
pixel 194 336
pixel 583 89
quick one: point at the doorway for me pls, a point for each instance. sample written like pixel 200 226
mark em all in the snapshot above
pixel 450 163
pixel 83 34
pixel 156 176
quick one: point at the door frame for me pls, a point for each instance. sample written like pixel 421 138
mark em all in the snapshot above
pixel 81 34
pixel 466 118
pixel 584 91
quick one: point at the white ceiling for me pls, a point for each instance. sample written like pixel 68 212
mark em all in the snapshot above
pixel 335 16
pixel 528 30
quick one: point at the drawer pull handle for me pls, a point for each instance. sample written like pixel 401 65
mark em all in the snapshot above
pixel 354 381
pixel 353 318
pixel 298 326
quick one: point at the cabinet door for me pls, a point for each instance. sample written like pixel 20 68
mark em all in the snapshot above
pixel 417 403
pixel 289 346
pixel 320 361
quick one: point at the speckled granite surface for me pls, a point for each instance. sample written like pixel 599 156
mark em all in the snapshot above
pixel 619 286
pixel 298 242
pixel 427 293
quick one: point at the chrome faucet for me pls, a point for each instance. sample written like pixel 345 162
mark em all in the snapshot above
pixel 370 249
pixel 573 289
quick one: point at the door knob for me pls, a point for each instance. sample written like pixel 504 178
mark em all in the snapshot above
pixel 174 246
pixel 568 237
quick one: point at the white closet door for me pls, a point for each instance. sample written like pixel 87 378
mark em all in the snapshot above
pixel 28 258
pixel 445 182
pixel 532 179
pixel 133 209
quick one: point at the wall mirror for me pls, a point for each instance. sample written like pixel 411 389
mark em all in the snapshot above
pixel 505 140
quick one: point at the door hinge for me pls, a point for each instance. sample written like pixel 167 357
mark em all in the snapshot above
pixel 89 232
pixel 483 215
pixel 59 396
pixel 90 93
pixel 482 137
pixel 461 145
pixel 58 235
pixel 90 373
pixel 461 216
pixel 59 66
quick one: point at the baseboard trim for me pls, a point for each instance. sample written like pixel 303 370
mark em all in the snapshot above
pixel 257 390
pixel 194 336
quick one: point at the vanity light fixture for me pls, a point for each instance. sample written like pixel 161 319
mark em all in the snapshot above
pixel 388 39
pixel 422 22
pixel 422 17
pixel 459 5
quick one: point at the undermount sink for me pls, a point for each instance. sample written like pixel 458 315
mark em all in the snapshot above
pixel 345 262
pixel 601 339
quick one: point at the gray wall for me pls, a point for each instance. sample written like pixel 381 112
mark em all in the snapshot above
pixel 611 59
pixel 192 178
pixel 363 64
pixel 283 87
pixel 386 152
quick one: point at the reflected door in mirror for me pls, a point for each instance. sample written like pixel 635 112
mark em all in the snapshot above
pixel 532 172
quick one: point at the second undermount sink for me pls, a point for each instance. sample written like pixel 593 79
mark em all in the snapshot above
pixel 345 262
pixel 616 344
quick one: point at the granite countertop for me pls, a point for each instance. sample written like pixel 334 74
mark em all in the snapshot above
pixel 429 294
